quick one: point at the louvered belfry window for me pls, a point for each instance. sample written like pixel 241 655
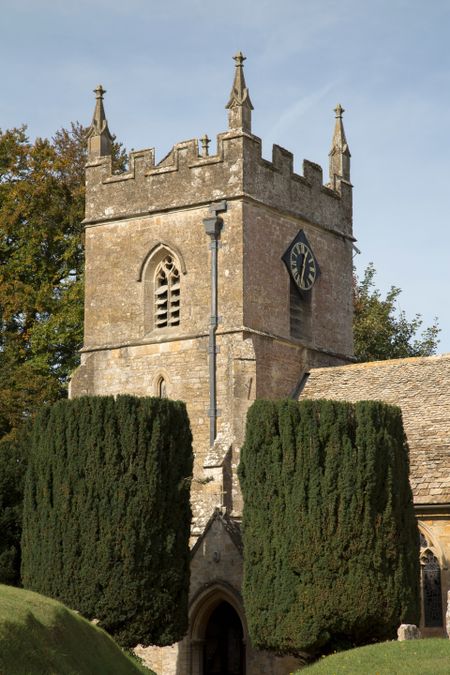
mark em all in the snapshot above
pixel 167 293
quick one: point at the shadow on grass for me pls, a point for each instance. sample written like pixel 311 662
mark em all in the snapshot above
pixel 62 642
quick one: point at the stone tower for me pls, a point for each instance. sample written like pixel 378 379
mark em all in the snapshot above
pixel 195 291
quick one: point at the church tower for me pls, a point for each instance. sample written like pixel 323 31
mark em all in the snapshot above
pixel 215 279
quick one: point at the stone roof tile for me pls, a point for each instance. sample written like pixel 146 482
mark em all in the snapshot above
pixel 421 387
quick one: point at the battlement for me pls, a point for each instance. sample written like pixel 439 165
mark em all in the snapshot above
pixel 185 178
pixel 188 177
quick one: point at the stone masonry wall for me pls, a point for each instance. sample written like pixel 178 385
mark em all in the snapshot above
pixel 116 291
pixel 238 169
pixel 267 235
pixel 120 356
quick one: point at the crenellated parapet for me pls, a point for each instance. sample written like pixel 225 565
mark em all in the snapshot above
pixel 188 175
pixel 185 178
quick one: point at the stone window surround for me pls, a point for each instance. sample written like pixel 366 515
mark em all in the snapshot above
pixel 166 294
pixel 146 275
pixel 161 378
pixel 202 605
pixel 434 547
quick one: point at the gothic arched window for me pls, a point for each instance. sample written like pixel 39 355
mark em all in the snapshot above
pixel 431 585
pixel 167 293
pixel 161 272
pixel 161 388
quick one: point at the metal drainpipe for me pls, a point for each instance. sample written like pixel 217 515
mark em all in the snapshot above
pixel 213 227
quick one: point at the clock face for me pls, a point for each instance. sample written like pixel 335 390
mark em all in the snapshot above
pixel 303 266
pixel 301 263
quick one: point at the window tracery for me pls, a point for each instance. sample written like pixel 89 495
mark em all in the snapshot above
pixel 430 572
pixel 167 293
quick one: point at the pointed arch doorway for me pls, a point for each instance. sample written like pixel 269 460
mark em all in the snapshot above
pixel 223 649
pixel 218 632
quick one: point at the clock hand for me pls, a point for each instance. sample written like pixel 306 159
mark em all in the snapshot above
pixel 302 273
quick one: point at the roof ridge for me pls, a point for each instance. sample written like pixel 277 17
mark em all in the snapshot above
pixel 375 364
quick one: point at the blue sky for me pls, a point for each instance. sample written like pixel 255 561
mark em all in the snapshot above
pixel 167 69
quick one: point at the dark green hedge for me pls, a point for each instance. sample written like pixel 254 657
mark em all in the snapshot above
pixel 107 514
pixel 13 462
pixel 331 550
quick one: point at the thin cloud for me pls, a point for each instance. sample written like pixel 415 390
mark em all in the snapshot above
pixel 296 110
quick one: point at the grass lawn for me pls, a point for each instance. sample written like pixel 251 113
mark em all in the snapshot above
pixel 39 636
pixel 412 657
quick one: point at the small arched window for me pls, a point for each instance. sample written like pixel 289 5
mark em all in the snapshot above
pixel 161 388
pixel 167 293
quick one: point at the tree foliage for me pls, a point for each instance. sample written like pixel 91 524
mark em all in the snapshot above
pixel 331 545
pixel 381 331
pixel 41 267
pixel 107 515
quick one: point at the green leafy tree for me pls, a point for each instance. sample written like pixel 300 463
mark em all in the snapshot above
pixel 107 515
pixel 331 546
pixel 41 267
pixel 41 296
pixel 381 331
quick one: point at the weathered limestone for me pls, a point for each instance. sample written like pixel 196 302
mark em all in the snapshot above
pixel 99 136
pixel 340 152
pixel 408 631
pixel 239 105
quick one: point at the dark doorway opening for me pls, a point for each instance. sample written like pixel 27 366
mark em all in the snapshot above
pixel 224 652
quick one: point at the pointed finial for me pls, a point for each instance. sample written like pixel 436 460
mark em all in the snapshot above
pixel 340 152
pixel 99 136
pixel 205 141
pixel 239 105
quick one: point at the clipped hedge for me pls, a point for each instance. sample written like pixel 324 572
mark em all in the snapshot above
pixel 107 516
pixel 13 462
pixel 331 547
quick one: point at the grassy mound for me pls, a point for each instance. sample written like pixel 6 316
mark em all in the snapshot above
pixel 39 636
pixel 412 657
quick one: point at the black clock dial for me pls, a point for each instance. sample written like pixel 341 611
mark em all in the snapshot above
pixel 303 266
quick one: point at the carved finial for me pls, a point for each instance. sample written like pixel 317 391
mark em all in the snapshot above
pixel 99 91
pixel 99 136
pixel 340 152
pixel 205 141
pixel 239 58
pixel 339 110
pixel 239 105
